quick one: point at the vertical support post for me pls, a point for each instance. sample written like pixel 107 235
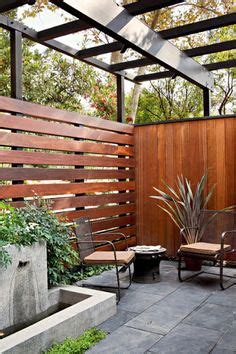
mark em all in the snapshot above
pixel 206 102
pixel 16 80
pixel 120 98
pixel 120 116
pixel 16 64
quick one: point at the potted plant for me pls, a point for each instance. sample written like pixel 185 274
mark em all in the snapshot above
pixel 184 206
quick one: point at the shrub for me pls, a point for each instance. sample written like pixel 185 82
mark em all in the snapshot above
pixel 32 223
pixel 79 345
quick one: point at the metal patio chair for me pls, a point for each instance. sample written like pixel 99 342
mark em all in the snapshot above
pixel 213 246
pixel 89 255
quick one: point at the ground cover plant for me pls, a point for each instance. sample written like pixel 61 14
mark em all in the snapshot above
pixel 79 345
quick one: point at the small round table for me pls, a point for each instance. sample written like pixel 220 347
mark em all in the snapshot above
pixel 147 265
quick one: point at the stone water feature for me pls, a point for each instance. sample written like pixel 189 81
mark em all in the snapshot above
pixel 24 288
pixel 32 317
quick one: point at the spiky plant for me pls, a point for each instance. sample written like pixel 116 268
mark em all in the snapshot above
pixel 184 206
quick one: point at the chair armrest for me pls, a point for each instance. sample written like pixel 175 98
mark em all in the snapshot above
pixel 117 233
pixel 224 236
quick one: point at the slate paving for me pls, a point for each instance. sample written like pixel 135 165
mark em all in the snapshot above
pixel 193 317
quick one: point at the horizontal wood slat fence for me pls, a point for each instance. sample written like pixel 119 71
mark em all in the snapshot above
pixel 164 151
pixel 88 167
pixel 84 165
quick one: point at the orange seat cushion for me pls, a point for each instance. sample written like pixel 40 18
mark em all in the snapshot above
pixel 107 257
pixel 204 248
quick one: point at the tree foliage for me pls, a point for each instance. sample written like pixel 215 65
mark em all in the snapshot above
pixel 52 79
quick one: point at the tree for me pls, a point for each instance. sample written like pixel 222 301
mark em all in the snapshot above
pixel 48 77
pixel 165 101
pixel 188 12
pixel 56 80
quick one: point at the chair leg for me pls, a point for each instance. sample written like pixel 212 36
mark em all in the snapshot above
pixel 223 287
pixel 179 270
pixel 118 284
pixel 179 267
pixel 221 273
pixel 130 277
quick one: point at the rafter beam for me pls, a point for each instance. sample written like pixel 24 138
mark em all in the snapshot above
pixel 8 5
pixel 63 30
pixel 193 52
pixel 142 6
pixel 200 26
pixel 180 31
pixel 31 34
pixel 127 29
pixel 227 64
pixel 101 49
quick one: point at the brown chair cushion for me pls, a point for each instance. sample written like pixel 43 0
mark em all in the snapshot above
pixel 107 257
pixel 203 248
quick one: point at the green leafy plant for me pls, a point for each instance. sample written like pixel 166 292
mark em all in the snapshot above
pixel 35 222
pixel 79 345
pixel 184 206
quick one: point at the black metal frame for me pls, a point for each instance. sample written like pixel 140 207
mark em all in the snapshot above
pixel 107 242
pixel 217 258
pixel 112 22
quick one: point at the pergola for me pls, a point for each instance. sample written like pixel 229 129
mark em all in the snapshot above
pixel 128 31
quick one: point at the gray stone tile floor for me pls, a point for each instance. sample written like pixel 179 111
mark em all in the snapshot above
pixel 171 317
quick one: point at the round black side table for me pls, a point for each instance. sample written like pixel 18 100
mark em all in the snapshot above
pixel 147 265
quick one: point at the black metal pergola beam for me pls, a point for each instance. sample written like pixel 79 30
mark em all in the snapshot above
pixel 31 34
pixel 16 64
pixel 101 49
pixel 142 6
pixel 8 5
pixel 200 26
pixel 116 21
pixel 193 52
pixel 227 64
pixel 206 103
pixel 120 98
pixel 63 30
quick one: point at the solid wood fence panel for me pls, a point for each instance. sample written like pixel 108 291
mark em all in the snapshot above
pixel 83 165
pixel 188 148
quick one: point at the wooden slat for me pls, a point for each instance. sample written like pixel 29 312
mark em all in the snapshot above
pixel 85 201
pixel 36 110
pixel 61 129
pixel 114 222
pixel 41 142
pixel 15 191
pixel 15 174
pixel 127 231
pixel 33 158
pixel 120 245
pixel 96 213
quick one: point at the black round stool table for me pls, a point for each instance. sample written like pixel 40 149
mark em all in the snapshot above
pixel 147 263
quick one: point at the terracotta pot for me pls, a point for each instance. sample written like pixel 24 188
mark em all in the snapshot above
pixel 193 264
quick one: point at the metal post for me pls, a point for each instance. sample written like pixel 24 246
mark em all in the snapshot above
pixel 206 102
pixel 120 98
pixel 16 80
pixel 16 65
